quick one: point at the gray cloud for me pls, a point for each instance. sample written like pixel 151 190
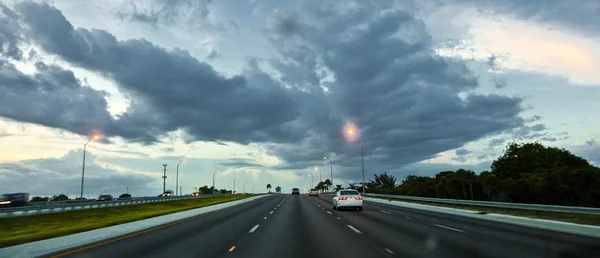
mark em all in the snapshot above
pixel 9 36
pixel 191 13
pixel 388 81
pixel 239 163
pixel 52 176
pixel 582 15
pixel 213 55
pixel 188 94
pixel 52 97
pixel 378 66
pixel 168 149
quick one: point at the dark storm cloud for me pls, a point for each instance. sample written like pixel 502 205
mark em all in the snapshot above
pixel 63 175
pixel 169 89
pixel 239 163
pixel 388 81
pixel 9 34
pixel 155 13
pixel 52 97
pixel 378 66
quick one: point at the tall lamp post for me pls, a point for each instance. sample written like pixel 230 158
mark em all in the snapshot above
pixel 214 181
pixel 362 156
pixel 234 184
pixel 177 178
pixel 320 177
pixel 95 137
pixel 331 163
pixel 245 187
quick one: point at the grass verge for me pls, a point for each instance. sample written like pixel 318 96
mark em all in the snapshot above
pixel 19 230
pixel 557 216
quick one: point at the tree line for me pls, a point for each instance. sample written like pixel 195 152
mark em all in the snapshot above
pixel 525 173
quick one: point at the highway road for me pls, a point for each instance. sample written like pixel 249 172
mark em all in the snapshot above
pixel 301 226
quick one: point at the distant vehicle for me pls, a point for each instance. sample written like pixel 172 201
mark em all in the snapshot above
pixel 125 196
pixel 104 197
pixel 195 194
pixel 313 192
pixel 348 199
pixel 14 200
pixel 168 193
pixel 296 191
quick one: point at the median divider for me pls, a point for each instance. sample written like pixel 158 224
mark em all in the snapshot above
pixel 57 244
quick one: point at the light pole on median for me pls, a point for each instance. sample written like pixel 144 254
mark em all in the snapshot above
pixel 95 137
pixel 331 163
pixel 245 187
pixel 320 178
pixel 234 184
pixel 177 178
pixel 362 156
pixel 214 181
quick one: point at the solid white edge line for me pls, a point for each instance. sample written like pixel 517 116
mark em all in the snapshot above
pixel 253 229
pixel 453 229
pixel 354 229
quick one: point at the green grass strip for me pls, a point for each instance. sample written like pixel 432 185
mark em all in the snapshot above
pixel 25 229
pixel 557 216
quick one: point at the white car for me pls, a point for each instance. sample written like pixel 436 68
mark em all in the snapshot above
pixel 348 199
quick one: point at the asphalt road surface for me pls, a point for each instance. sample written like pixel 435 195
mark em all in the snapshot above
pixel 300 226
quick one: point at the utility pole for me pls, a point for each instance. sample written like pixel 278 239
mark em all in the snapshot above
pixel 164 176
pixel 128 190
pixel 180 191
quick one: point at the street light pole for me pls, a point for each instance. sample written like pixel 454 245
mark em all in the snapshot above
pixel 214 181
pixel 362 156
pixel 234 185
pixel 177 178
pixel 83 166
pixel 330 163
pixel 320 178
pixel 245 187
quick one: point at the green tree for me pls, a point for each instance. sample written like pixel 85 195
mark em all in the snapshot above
pixel 353 186
pixel 383 181
pixel 60 197
pixel 338 187
pixel 328 184
pixel 278 189
pixel 39 199
pixel 269 188
pixel 519 158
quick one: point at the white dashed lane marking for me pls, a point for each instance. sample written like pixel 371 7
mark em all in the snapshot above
pixel 253 229
pixel 449 228
pixel 354 229
pixel 386 212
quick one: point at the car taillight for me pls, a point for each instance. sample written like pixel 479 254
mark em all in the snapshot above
pixel 343 198
pixel 358 198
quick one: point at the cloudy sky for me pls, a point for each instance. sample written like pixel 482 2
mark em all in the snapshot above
pixel 262 90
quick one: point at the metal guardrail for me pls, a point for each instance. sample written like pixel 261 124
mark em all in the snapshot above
pixel 504 205
pixel 89 204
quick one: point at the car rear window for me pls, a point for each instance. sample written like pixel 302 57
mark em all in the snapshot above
pixel 349 193
pixel 295 189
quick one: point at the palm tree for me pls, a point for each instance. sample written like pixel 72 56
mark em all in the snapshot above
pixel 338 187
pixel 328 184
pixel 278 189
pixel 352 186
pixel 269 187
